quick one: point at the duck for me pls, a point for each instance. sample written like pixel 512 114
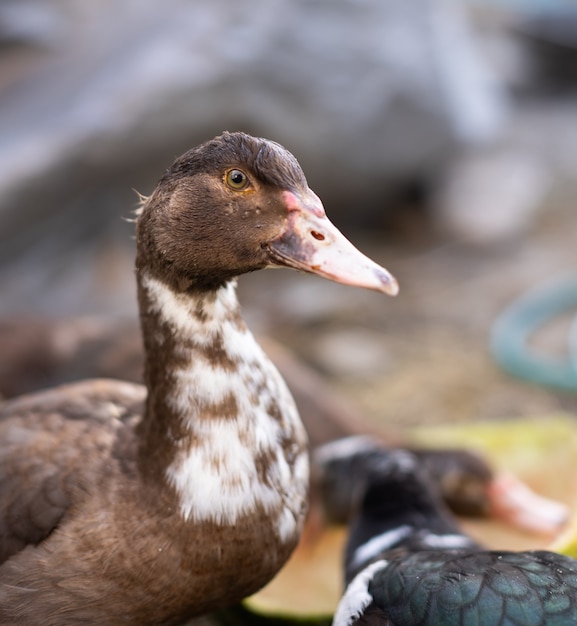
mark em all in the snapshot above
pixel 407 563
pixel 149 504
pixel 466 481
pixel 340 469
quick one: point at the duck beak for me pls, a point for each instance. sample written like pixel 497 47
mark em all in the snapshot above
pixel 310 242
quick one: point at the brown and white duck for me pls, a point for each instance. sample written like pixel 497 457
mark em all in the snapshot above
pixel 122 504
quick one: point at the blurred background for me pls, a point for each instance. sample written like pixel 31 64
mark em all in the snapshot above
pixel 441 136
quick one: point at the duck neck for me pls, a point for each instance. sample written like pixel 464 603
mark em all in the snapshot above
pixel 220 427
pixel 183 335
pixel 404 515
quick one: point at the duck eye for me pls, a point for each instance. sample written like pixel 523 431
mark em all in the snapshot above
pixel 236 180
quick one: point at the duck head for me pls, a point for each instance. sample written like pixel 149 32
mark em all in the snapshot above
pixel 236 204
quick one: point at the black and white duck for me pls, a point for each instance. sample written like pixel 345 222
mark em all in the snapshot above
pixel 466 481
pixel 129 504
pixel 408 564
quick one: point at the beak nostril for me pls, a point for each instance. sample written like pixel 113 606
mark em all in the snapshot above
pixel 318 236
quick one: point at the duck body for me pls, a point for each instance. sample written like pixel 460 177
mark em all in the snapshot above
pixel 226 515
pixel 123 504
pixel 408 564
pixel 471 588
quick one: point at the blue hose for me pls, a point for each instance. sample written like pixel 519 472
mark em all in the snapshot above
pixel 511 331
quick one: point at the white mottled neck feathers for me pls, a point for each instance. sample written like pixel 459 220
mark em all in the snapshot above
pixel 246 450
